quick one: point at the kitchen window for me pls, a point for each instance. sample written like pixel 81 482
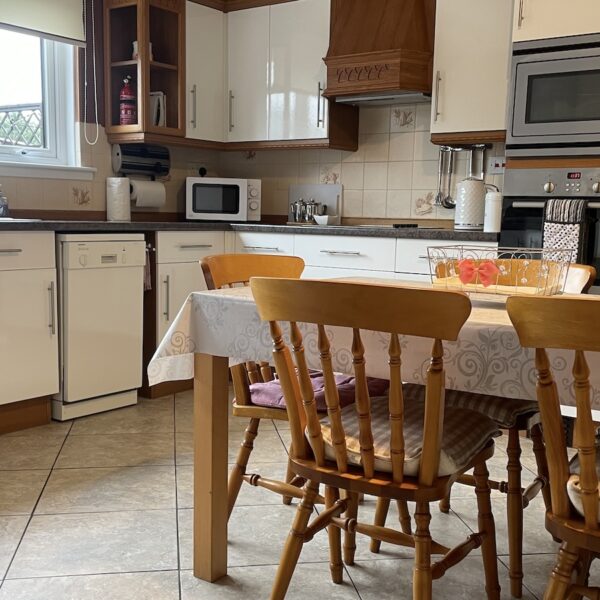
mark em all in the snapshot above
pixel 37 116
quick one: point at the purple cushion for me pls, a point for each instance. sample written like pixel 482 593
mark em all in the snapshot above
pixel 270 394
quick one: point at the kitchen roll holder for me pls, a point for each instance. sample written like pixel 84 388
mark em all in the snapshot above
pixel 143 160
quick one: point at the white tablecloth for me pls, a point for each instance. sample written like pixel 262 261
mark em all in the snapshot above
pixel 487 357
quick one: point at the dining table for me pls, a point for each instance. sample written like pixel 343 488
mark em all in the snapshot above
pixel 216 329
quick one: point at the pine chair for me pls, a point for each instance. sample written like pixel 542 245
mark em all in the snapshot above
pixel 515 416
pixel 568 324
pixel 229 270
pixel 394 447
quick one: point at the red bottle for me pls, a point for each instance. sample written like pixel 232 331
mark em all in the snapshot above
pixel 127 104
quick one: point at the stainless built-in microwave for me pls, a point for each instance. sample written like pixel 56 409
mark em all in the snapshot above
pixel 222 199
pixel 554 102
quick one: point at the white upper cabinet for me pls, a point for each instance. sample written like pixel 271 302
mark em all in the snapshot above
pixel 471 65
pixel 205 73
pixel 248 57
pixel 538 19
pixel 299 36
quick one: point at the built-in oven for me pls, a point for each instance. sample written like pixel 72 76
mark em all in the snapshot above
pixel 526 191
pixel 554 102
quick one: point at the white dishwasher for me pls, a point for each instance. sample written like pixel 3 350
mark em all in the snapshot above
pixel 101 289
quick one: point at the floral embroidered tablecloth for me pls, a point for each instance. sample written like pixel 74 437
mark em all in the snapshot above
pixel 487 357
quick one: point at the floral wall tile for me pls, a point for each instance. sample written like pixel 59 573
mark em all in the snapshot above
pixel 330 173
pixel 402 118
pixel 423 204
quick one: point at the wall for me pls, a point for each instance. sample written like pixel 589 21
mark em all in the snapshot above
pixel 392 175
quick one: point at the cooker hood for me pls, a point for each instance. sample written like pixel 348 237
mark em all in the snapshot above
pixel 380 55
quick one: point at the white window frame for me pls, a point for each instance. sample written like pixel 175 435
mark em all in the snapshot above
pixel 58 90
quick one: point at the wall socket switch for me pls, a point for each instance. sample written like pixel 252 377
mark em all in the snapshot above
pixel 496 165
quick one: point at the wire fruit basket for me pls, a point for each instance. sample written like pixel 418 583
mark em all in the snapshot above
pixel 499 271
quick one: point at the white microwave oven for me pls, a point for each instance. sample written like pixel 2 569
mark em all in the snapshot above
pixel 222 199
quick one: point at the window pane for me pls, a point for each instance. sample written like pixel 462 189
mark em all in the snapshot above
pixel 21 96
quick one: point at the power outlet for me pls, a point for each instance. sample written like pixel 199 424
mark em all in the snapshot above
pixel 496 165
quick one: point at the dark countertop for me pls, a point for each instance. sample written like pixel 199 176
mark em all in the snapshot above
pixel 130 227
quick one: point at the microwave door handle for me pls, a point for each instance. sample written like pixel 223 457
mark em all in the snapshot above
pixel 528 204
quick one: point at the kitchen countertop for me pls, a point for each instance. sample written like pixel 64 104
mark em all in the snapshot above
pixel 355 230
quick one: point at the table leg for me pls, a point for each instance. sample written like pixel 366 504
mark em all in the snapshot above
pixel 210 466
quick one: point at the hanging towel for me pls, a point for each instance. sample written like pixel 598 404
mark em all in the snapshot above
pixel 147 272
pixel 566 227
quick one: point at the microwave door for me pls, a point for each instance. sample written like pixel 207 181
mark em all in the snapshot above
pixel 557 99
pixel 219 201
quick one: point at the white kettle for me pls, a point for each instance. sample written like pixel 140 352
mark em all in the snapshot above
pixel 470 204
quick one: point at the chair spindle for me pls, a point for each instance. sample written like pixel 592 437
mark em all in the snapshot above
pixel 396 401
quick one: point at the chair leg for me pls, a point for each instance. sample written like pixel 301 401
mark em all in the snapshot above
pixel 444 504
pixel 289 476
pixel 350 537
pixel 236 477
pixel 404 515
pixel 422 577
pixel 381 511
pixel 514 513
pixel 560 579
pixel 294 542
pixel 485 521
pixel 335 539
pixel 583 572
pixel 542 464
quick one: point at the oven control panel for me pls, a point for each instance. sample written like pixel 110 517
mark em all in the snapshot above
pixel 552 183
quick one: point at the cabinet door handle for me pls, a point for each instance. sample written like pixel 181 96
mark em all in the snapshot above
pixel 52 324
pixel 342 252
pixel 167 283
pixel 320 119
pixel 271 248
pixel 521 16
pixel 194 119
pixel 423 256
pixel 10 250
pixel 231 99
pixel 194 246
pixel 436 112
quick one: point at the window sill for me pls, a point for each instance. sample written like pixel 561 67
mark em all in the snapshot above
pixel 40 171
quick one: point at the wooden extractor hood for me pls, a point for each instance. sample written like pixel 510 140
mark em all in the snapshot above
pixel 380 50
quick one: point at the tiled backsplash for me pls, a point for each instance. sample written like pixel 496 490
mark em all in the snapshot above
pixel 393 174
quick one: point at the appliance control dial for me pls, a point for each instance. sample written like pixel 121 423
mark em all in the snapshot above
pixel 596 187
pixel 549 187
pixel 253 192
pixel 253 205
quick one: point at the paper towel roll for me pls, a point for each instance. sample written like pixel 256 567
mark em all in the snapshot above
pixel 118 203
pixel 148 194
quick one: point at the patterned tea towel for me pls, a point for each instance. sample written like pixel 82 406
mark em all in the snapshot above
pixel 565 226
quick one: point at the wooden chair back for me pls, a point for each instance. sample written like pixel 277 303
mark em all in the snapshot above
pixel 228 270
pixel 569 324
pixel 435 314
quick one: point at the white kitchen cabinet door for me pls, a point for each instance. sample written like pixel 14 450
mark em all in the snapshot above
pixel 205 72
pixel 28 334
pixel 264 243
pixel 471 65
pixel 175 282
pixel 248 56
pixel 299 41
pixel 336 273
pixel 539 19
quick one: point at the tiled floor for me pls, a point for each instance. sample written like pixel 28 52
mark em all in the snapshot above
pixel 101 509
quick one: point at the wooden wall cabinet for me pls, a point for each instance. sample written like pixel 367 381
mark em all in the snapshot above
pixel 471 71
pixel 539 19
pixel 158 28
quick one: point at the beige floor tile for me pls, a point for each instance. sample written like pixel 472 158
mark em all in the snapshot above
pixel 26 452
pixel 392 579
pixel 249 495
pixel 117 450
pixel 11 530
pixel 19 491
pixel 242 583
pixel 536 540
pixel 95 543
pixel 256 537
pixel 121 586
pixel 148 416
pixel 108 489
pixel 51 429
pixel 267 447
